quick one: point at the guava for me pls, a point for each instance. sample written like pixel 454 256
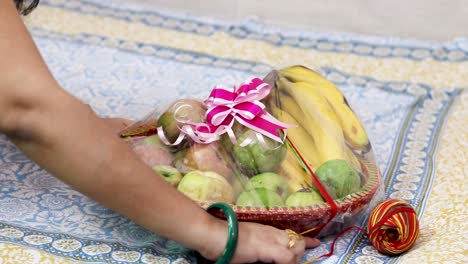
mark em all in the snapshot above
pixel 339 178
pixel 260 197
pixel 270 181
pixel 181 110
pixel 305 197
pixel 168 173
pixel 206 157
pixel 153 152
pixel 206 186
pixel 256 157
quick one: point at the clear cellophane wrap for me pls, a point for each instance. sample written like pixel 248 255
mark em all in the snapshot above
pixel 316 175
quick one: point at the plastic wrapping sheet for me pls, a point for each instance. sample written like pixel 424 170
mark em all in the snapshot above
pixel 287 150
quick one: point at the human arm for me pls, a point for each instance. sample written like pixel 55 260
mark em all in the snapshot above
pixel 66 138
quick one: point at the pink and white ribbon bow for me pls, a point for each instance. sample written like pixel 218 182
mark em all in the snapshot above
pixel 243 105
pixel 225 106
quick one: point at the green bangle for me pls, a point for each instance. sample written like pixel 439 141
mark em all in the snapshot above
pixel 233 232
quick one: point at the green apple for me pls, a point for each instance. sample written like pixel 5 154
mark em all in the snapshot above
pixel 271 181
pixel 206 186
pixel 339 178
pixel 260 197
pixel 304 197
pixel 180 110
pixel 208 157
pixel 168 173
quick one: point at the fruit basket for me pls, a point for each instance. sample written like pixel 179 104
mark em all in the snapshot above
pixel 286 151
pixel 310 220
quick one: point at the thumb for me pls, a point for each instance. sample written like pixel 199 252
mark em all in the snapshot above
pixel 311 242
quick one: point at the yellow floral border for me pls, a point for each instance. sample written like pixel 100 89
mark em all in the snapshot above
pixel 429 71
pixel 13 254
pixel 443 226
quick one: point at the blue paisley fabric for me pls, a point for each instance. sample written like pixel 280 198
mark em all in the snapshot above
pixel 130 79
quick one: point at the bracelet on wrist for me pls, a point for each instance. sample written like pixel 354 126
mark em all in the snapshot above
pixel 233 232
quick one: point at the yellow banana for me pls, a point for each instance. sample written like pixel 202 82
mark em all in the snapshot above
pixel 294 174
pixel 302 140
pixel 291 108
pixel 317 118
pixel 353 130
pixel 291 168
pixel 354 161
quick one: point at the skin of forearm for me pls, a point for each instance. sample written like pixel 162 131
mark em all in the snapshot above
pixel 70 142
pixel 66 138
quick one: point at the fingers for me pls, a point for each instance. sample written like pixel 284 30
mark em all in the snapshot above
pixel 277 254
pixel 286 256
pixel 311 242
pixel 298 250
pixel 280 252
pixel 297 244
pixel 289 248
pixel 260 243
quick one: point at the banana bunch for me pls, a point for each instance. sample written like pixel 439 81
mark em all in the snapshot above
pixel 353 130
pixel 326 127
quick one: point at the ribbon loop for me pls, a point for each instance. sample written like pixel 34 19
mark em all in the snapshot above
pixel 225 106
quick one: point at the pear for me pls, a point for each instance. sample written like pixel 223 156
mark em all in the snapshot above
pixel 206 186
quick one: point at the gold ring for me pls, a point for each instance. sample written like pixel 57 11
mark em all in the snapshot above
pixel 293 237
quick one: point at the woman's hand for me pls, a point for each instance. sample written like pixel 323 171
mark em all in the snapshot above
pixel 268 244
pixel 262 243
